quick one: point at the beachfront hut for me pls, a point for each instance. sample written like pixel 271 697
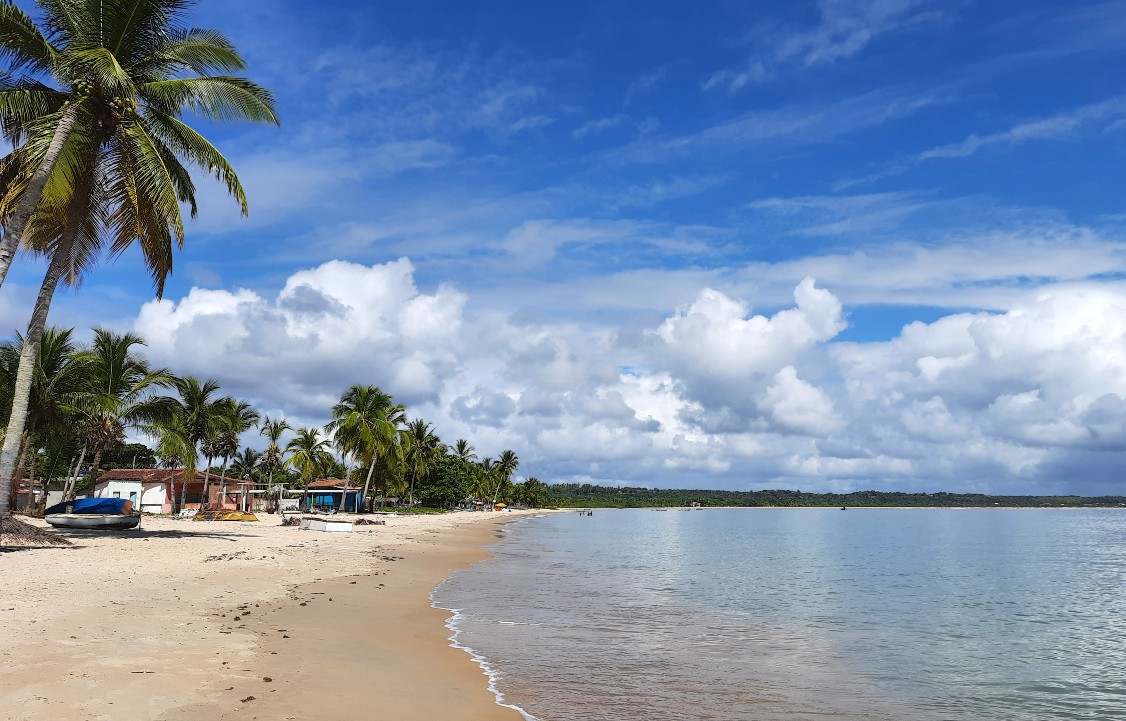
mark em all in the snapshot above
pixel 330 494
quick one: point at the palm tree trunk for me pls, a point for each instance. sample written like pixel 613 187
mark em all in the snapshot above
pixel 28 357
pixel 17 222
pixel 96 464
pixel 184 491
pixel 72 480
pixel 367 482
pixel 21 462
pixel 205 499
pixel 223 482
pixel 270 508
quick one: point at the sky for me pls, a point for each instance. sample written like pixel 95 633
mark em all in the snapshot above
pixel 826 245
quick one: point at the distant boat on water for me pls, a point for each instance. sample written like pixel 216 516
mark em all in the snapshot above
pixel 109 514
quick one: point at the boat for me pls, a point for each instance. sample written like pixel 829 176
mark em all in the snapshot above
pixel 101 514
pixel 221 515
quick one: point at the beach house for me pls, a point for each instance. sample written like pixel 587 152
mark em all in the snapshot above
pixel 330 494
pixel 151 489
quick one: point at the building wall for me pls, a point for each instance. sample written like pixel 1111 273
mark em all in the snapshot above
pixel 119 489
pixel 152 496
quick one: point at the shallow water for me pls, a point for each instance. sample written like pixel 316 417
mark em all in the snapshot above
pixel 913 614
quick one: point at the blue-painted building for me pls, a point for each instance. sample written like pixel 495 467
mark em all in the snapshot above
pixel 329 494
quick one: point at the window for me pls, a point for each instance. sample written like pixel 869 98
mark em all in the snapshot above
pixel 133 496
pixel 117 494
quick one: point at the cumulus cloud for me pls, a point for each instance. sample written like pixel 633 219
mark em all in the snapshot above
pixel 712 395
pixel 716 350
pixel 328 327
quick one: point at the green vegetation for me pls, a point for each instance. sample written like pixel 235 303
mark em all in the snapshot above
pixel 86 397
pixel 573 495
pixel 91 102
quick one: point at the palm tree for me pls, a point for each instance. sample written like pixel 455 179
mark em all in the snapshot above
pixel 464 451
pixel 118 392
pixel 420 445
pixel 505 467
pixel 272 456
pixel 59 379
pixel 188 420
pixel 308 454
pixel 235 418
pixel 365 423
pixel 246 464
pixel 99 149
pixel 176 450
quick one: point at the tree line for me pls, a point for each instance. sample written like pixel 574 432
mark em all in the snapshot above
pixel 84 398
pixel 576 495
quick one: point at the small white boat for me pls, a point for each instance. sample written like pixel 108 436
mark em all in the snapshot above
pixel 93 521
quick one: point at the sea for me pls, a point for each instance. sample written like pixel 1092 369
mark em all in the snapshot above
pixel 801 614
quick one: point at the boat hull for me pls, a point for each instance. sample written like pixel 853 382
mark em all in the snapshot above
pixel 92 521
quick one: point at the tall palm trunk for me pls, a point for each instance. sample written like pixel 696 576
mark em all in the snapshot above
pixel 184 491
pixel 17 222
pixel 96 464
pixel 72 479
pixel 28 356
pixel 367 482
pixel 223 482
pixel 205 499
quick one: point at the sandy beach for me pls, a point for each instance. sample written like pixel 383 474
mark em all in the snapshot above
pixel 193 620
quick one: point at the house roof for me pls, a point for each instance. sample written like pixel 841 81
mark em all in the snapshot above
pixel 331 483
pixel 156 475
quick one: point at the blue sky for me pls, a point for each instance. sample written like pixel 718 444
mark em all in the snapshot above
pixel 828 245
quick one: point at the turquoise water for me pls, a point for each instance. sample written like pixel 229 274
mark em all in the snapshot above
pixel 912 614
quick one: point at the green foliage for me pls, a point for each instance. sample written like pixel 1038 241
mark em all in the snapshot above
pixel 128 455
pixel 447 483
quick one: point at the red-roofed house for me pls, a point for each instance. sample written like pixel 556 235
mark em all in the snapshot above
pixel 152 487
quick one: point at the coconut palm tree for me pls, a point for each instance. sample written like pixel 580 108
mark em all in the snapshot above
pixel 246 464
pixel 92 105
pixel 464 451
pixel 420 445
pixel 187 420
pixel 175 450
pixel 308 455
pixel 272 457
pixel 365 423
pixel 506 465
pixel 235 418
pixel 59 379
pixel 119 390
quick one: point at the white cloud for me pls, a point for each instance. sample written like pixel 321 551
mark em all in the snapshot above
pixel 711 395
pixel 844 28
pixel 1062 125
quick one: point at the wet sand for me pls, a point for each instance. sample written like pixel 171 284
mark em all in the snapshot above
pixel 192 620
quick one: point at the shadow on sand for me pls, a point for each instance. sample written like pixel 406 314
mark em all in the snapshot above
pixel 77 536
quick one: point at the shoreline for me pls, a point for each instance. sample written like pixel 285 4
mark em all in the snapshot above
pixel 199 621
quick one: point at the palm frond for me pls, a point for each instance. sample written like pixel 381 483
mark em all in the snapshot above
pixel 201 51
pixel 186 142
pixel 22 46
pixel 100 67
pixel 220 98
pixel 22 101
